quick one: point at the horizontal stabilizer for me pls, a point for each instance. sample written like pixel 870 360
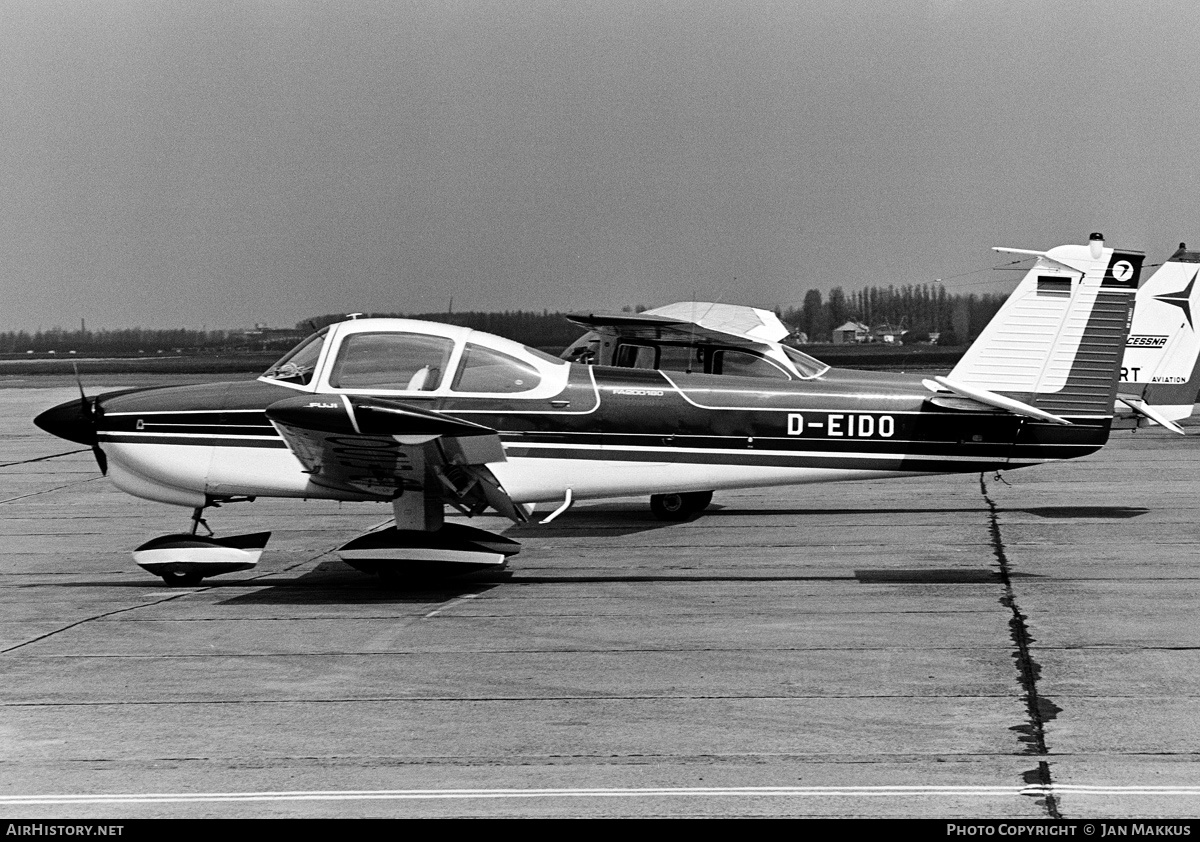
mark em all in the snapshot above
pixel 998 401
pixel 1144 409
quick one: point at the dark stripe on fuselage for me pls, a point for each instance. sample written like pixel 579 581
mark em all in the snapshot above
pixel 193 441
pixel 986 435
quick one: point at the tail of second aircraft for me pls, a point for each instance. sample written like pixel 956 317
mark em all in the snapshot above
pixel 1054 350
pixel 1160 368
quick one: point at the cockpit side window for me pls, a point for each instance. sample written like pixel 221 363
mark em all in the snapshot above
pixel 408 362
pixel 486 370
pixel 298 364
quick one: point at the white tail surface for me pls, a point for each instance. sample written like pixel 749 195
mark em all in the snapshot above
pixel 1161 354
pixel 1057 342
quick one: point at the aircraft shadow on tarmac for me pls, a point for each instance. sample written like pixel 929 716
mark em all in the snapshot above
pixel 333 582
pixel 1084 512
pixel 935 576
pixel 595 522
pixel 616 521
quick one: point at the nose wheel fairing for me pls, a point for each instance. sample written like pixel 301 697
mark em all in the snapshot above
pixel 186 559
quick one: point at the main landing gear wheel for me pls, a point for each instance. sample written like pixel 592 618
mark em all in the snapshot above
pixel 679 506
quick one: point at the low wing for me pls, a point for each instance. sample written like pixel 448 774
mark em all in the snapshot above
pixel 387 448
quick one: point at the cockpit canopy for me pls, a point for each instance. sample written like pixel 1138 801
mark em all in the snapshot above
pixel 424 359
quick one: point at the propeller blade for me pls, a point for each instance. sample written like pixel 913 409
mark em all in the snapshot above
pixel 90 410
pixel 101 459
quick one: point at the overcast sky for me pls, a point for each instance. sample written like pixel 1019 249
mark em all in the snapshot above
pixel 182 163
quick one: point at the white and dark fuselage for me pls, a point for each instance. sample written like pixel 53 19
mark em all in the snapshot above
pixel 606 432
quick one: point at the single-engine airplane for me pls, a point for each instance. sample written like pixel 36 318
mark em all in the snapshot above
pixel 421 415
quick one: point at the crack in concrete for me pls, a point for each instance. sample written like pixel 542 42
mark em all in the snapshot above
pixel 1040 709
pixel 49 490
pixel 43 458
pixel 100 616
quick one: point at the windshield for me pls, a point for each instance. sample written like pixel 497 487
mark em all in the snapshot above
pixel 298 364
pixel 806 365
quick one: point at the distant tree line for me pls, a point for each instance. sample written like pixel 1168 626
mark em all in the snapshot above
pixel 123 341
pixel 920 309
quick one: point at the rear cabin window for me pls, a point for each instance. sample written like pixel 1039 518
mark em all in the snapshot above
pixel 486 370
pixel 636 356
pixel 682 358
pixel 401 361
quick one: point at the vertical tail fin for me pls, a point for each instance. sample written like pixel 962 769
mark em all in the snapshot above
pixel 1057 342
pixel 1160 367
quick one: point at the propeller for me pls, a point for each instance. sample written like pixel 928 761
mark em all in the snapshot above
pixel 90 412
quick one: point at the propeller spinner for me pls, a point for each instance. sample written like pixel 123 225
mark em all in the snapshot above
pixel 76 421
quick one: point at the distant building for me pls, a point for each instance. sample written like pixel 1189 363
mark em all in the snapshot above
pixel 850 333
pixel 272 337
pixel 888 334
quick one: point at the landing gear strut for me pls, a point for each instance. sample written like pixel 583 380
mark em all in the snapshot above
pixel 680 505
pixel 198 521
